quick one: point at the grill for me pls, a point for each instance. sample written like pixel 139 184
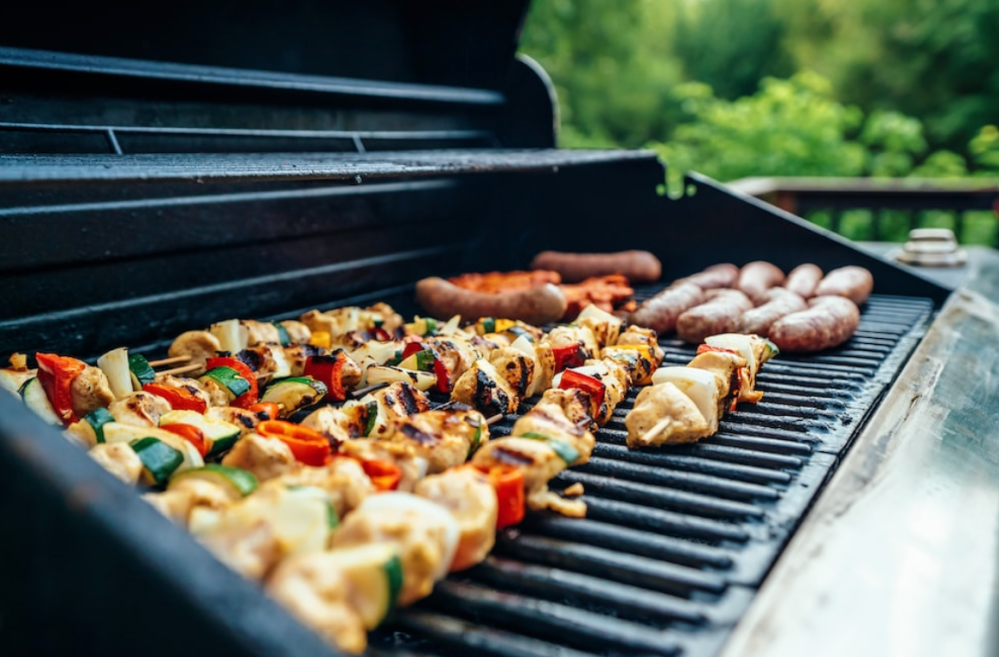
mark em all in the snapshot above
pixel 149 185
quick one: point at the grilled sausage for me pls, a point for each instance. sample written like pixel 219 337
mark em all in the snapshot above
pixel 538 305
pixel 854 283
pixel 828 322
pixel 803 280
pixel 636 266
pixel 661 311
pixel 758 277
pixel 779 302
pixel 719 315
pixel 724 275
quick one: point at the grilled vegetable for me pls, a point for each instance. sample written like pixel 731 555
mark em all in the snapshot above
pixel 116 432
pixel 219 435
pixel 179 399
pixel 244 396
pixel 374 574
pixel 114 364
pixel 140 371
pixel 387 374
pixel 34 397
pixel 236 479
pixel 97 419
pixel 159 460
pixel 308 445
pixel 294 393
pixel 56 374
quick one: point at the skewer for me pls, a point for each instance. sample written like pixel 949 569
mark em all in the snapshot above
pixel 360 392
pixel 494 419
pixel 182 370
pixel 169 361
pixel 659 426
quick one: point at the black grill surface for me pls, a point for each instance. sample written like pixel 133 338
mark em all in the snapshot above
pixel 677 540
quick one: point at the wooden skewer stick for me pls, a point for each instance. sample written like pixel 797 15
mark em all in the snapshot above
pixel 182 370
pixel 494 419
pixel 360 392
pixel 659 426
pixel 169 361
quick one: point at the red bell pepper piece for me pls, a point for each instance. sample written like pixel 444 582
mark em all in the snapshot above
pixel 508 481
pixel 569 355
pixel 178 398
pixel 270 409
pixel 329 370
pixel 595 388
pixel 385 475
pixel 444 383
pixel 251 396
pixel 308 445
pixel 191 434
pixel 56 374
pixel 380 334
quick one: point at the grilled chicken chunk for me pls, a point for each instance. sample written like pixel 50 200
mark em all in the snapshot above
pixel 471 499
pixel 342 479
pixel 457 353
pixel 444 438
pixel 515 367
pixel 412 466
pixel 90 391
pixel 316 592
pixel 198 346
pixel 639 367
pixel 140 409
pixel 192 386
pixel 725 366
pixel 242 418
pixel 538 462
pixel 186 493
pixel 119 459
pixel 575 404
pixel 646 336
pixel 258 332
pixel 251 549
pixel 266 458
pixel 485 389
pixel 397 400
pixel 426 534
pixel 562 336
pixel 664 415
pixel 702 387
pixel 344 423
pixel 548 420
pixel 605 327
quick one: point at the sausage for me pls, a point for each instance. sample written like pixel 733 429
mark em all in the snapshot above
pixel 854 283
pixel 538 305
pixel 719 315
pixel 636 266
pixel 758 277
pixel 724 275
pixel 661 311
pixel 803 280
pixel 779 302
pixel 828 322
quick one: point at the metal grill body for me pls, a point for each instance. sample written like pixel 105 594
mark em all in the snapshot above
pixel 677 539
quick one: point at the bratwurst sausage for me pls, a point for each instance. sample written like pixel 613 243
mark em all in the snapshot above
pixel 724 275
pixel 758 277
pixel 828 322
pixel 637 266
pixel 854 283
pixel 803 280
pixel 780 302
pixel 538 305
pixel 661 311
pixel 719 315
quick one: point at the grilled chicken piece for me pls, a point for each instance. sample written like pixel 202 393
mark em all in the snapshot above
pixel 646 336
pixel 485 389
pixel 186 493
pixel 444 438
pixel 562 336
pixel 391 320
pixel 426 534
pixel 605 327
pixel 266 458
pixel 343 480
pixel 251 549
pixel 192 386
pixel 575 404
pixel 544 368
pixel 727 367
pixel 639 368
pixel 403 455
pixel 341 321
pixel 704 388
pixel 548 419
pixel 514 366
pixel 176 506
pixel 140 409
pixel 316 592
pixel 270 360
pixel 242 418
pixel 397 400
pixel 344 423
pixel 298 354
pixel 217 394
pixel 664 415
pixel 538 462
pixel 90 391
pixel 199 346
pixel 457 353
pixel 755 350
pixel 259 332
pixel 615 379
pixel 119 459
pixel 471 499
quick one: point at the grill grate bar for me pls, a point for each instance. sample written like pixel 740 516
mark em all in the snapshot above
pixel 718 486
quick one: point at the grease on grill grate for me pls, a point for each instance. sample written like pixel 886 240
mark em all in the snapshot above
pixel 676 540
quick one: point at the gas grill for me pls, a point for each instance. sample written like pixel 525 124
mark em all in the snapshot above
pixel 334 154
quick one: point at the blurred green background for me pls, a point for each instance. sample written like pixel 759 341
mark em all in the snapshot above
pixel 737 88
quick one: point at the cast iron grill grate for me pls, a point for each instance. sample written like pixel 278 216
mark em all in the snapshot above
pixel 676 540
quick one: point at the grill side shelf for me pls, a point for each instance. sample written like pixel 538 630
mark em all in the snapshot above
pixel 678 539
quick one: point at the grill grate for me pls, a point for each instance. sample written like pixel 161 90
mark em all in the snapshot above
pixel 676 540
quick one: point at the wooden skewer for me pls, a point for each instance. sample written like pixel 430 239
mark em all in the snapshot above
pixel 494 419
pixel 360 392
pixel 169 361
pixel 659 426
pixel 181 370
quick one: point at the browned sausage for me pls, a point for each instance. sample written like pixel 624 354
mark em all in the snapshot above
pixel 758 277
pixel 803 279
pixel 828 322
pixel 661 311
pixel 636 266
pixel 854 283
pixel 779 302
pixel 538 305
pixel 724 275
pixel 719 315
